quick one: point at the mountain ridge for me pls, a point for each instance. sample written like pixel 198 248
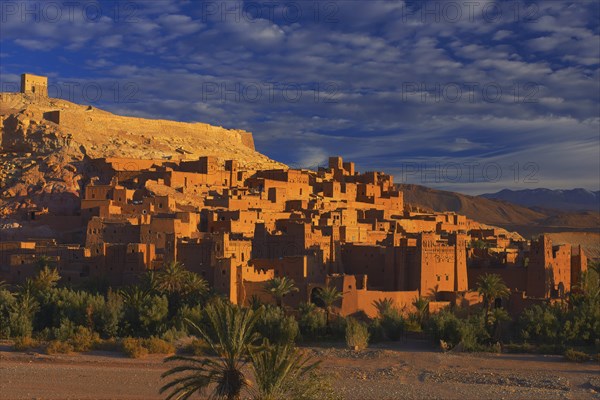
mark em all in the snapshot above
pixel 577 199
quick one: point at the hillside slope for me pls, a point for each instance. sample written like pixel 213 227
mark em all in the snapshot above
pixel 45 144
pixel 500 213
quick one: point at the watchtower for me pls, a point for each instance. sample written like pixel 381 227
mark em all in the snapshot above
pixel 35 84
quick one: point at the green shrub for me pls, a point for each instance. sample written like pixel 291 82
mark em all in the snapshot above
pixel 357 334
pixel 7 304
pixel 412 325
pixel 393 324
pixel 337 328
pixel 155 345
pixel 315 385
pixel 274 325
pixel 576 356
pixel 172 335
pixel 133 348
pixel 59 347
pixel 519 348
pixel 139 347
pixel 109 314
pixel 25 343
pixel 199 348
pixel 311 321
pixel 83 339
pixel 187 313
pixel 108 345
pixel 445 326
pixel 376 331
pixel 144 314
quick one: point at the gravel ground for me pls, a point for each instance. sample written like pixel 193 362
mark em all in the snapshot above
pixel 407 371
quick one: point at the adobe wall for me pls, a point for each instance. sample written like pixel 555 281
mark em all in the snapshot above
pixel 402 300
pixel 34 84
pixel 247 139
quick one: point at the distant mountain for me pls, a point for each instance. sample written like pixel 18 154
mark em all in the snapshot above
pixel 525 220
pixel 566 200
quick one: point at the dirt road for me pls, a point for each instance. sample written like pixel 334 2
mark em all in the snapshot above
pixel 398 372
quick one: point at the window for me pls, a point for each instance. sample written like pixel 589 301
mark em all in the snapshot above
pixel 438 278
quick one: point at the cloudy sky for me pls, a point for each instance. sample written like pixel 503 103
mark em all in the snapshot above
pixel 470 96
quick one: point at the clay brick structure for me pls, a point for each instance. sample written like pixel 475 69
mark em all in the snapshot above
pixel 34 84
pixel 238 228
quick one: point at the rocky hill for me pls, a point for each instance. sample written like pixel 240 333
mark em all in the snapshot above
pixel 45 142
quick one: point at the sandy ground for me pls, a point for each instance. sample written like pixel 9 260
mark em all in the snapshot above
pixel 404 371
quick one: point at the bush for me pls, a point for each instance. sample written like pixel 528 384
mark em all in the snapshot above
pixel 158 346
pixel 133 348
pixel 376 331
pixel 144 315
pixel 393 324
pixel 25 343
pixel 172 335
pixel 413 325
pixel 108 345
pixel 187 313
pixel 357 334
pixel 107 318
pixel 274 325
pixel 519 348
pixel 311 321
pixel 7 304
pixel 83 339
pixel 199 348
pixel 445 326
pixel 314 385
pixel 137 348
pixel 59 347
pixel 337 328
pixel 576 356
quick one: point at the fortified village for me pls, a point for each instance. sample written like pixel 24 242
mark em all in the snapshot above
pixel 238 227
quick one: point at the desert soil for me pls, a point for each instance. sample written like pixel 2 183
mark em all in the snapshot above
pixel 405 371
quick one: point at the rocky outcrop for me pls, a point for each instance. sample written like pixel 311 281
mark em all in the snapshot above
pixel 46 144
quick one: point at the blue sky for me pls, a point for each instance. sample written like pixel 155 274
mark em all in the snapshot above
pixel 470 96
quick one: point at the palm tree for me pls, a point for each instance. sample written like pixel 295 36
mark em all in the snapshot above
pixel 46 279
pixel 230 333
pixel 329 295
pixel 195 289
pixel 422 306
pixel 176 282
pixel 383 306
pixel 434 293
pixel 172 278
pixel 491 287
pixel 276 368
pixel 149 281
pixel 43 262
pixel 279 287
pixel 134 296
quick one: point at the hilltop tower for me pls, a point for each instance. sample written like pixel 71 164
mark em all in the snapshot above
pixel 34 84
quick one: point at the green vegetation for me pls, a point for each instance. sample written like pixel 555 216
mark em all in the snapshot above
pixel 230 333
pixel 576 356
pixel 328 296
pixel 357 334
pixel 279 288
pixel 171 304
